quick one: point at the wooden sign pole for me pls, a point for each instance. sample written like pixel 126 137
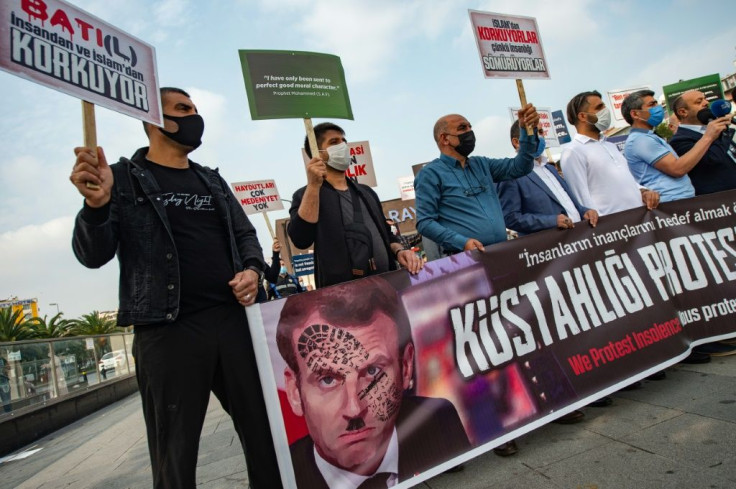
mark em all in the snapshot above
pixel 90 132
pixel 311 137
pixel 522 98
pixel 268 223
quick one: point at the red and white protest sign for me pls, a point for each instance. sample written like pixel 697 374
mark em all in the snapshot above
pixel 545 122
pixel 57 45
pixel 406 188
pixel 616 98
pixel 361 163
pixel 509 46
pixel 257 196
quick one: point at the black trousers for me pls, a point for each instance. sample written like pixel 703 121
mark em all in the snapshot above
pixel 177 365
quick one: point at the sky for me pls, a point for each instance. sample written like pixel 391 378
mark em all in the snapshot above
pixel 406 64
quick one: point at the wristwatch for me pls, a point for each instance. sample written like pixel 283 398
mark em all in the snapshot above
pixel 258 271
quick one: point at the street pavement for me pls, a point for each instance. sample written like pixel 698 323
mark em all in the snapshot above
pixel 675 433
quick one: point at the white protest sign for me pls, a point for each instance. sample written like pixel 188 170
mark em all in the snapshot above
pixel 545 122
pixel 509 46
pixel 616 98
pixel 257 196
pixel 60 46
pixel 406 187
pixel 361 163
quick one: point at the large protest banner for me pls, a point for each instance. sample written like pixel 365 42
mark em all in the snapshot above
pixel 710 85
pixel 57 45
pixel 616 98
pixel 479 348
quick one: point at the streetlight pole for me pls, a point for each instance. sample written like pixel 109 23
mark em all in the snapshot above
pixel 55 304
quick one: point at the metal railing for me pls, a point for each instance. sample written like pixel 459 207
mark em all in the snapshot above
pixel 35 372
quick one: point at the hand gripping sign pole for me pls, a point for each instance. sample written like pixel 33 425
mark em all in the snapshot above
pixel 509 47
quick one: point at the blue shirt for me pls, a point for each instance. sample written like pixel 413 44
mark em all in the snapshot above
pixel 455 204
pixel 643 149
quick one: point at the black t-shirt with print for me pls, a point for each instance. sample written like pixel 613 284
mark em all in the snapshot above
pixel 200 235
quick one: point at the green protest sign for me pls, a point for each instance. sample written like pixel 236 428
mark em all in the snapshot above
pixel 294 84
pixel 710 85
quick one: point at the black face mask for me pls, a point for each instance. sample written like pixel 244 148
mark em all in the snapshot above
pixel 467 143
pixel 705 116
pixel 191 128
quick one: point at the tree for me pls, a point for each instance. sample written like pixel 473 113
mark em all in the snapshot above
pixel 92 324
pixel 14 325
pixel 56 327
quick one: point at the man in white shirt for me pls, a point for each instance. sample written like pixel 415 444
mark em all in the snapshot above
pixel 595 170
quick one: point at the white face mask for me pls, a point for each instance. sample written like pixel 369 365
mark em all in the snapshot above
pixel 604 119
pixel 339 156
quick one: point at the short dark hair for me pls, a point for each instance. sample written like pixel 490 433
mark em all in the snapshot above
pixel 319 134
pixel 634 101
pixel 577 104
pixel 515 131
pixel 677 104
pixel 355 303
pixel 163 91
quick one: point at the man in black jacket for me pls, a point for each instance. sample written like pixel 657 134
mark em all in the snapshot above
pixel 189 261
pixel 716 170
pixel 341 219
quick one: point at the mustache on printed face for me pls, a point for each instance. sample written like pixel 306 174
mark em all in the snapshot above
pixel 355 424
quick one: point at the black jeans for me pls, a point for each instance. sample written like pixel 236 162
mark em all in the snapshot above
pixel 177 365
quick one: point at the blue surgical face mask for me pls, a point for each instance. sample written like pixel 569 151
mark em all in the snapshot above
pixel 656 115
pixel 540 147
pixel 282 271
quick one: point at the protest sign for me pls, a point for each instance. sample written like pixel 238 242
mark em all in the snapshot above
pixel 406 188
pixel 509 46
pixel 257 196
pixel 561 130
pixel 616 98
pixel 303 264
pixel 294 84
pixel 545 122
pixel 710 85
pixel 361 163
pixel 60 46
pixel 402 212
pixel 498 342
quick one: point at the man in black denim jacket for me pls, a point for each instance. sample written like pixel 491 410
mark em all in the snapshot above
pixel 189 261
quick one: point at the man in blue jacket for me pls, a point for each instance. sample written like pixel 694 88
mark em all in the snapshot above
pixel 189 261
pixel 540 200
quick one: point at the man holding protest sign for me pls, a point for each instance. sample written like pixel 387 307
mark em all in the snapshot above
pixel 716 170
pixel 595 170
pixel 456 199
pixel 349 373
pixel 189 261
pixel 343 220
pixel 652 161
